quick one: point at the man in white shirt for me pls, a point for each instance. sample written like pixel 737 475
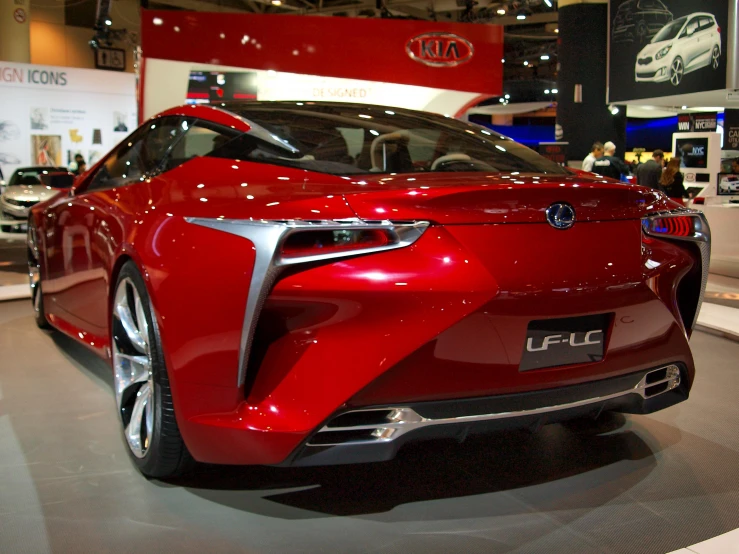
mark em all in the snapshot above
pixel 595 152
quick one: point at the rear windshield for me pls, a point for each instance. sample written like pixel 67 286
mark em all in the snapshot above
pixel 357 139
pixel 670 30
pixel 30 175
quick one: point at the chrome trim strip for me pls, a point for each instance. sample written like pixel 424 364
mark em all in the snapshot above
pixel 268 235
pixel 404 419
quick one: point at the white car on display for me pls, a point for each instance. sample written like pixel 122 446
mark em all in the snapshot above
pixel 680 47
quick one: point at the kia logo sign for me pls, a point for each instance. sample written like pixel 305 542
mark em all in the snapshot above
pixel 440 49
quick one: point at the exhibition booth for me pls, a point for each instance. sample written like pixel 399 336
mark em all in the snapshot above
pixel 431 66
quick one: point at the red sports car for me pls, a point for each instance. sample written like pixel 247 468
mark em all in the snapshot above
pixel 309 283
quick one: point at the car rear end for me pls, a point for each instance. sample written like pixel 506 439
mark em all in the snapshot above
pixel 495 317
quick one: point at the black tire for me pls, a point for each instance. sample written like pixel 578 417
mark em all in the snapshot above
pixel 166 455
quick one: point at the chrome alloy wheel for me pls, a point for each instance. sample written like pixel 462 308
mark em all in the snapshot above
pixel 34 279
pixel 132 368
pixel 676 71
pixel 715 57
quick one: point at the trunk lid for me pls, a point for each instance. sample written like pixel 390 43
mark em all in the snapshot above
pixel 450 199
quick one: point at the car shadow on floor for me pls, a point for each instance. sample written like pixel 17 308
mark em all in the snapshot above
pixel 441 469
pixel 590 452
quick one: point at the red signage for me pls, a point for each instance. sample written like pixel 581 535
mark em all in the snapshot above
pixel 440 49
pixel 454 56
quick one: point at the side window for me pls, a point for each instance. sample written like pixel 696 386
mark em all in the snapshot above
pixel 706 23
pixel 141 154
pixel 691 28
pixel 198 138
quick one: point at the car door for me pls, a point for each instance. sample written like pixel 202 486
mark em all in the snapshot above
pixel 89 226
pixel 688 42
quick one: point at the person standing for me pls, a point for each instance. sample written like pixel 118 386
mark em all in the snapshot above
pixel 649 173
pixel 595 152
pixel 672 181
pixel 609 165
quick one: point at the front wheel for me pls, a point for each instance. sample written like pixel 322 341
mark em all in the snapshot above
pixel 677 70
pixel 715 57
pixel 34 280
pixel 142 391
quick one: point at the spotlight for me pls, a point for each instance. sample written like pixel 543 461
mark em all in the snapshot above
pixel 501 11
pixel 548 3
pixel 556 30
pixel 277 2
pixel 526 63
pixel 521 16
pixel 685 107
pixel 547 91
pixel 507 97
pixel 614 109
pixel 108 22
pixel 554 91
pixel 502 61
pixel 545 56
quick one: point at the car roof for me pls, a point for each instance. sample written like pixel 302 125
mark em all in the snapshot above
pixel 40 168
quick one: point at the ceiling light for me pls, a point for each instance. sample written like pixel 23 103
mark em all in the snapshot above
pixel 277 2
pixel 502 61
pixel 501 11
pixel 157 21
pixel 548 3
pixel 554 91
pixel 545 56
pixel 556 30
pixel 108 22
pixel 521 16
pixel 614 109
pixel 547 91
pixel 685 107
pixel 502 100
pixel 507 96
pixel 526 63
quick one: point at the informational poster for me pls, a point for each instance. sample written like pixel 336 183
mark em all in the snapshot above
pixel 731 129
pixel 50 114
pixel 666 47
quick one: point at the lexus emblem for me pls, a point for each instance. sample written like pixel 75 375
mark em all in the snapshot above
pixel 439 49
pixel 561 215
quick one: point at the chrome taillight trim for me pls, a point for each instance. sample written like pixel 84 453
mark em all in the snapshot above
pixel 267 237
pixel 702 237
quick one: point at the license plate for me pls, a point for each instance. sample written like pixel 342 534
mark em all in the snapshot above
pixel 566 341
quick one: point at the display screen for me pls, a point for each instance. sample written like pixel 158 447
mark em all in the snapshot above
pixel 692 152
pixel 728 184
pixel 214 86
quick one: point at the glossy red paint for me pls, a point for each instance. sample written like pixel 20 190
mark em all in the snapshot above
pixel 349 47
pixel 443 318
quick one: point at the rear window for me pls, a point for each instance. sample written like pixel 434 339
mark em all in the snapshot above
pixel 351 139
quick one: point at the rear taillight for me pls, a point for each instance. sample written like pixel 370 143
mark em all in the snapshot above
pixel 699 200
pixel 319 242
pixel 679 225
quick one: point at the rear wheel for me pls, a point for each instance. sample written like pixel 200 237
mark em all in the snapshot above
pixel 715 57
pixel 142 391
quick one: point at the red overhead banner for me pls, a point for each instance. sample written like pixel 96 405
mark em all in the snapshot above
pixel 453 56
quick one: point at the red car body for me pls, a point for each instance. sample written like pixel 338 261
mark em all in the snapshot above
pixel 342 354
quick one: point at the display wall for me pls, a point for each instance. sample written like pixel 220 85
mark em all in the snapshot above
pixel 48 114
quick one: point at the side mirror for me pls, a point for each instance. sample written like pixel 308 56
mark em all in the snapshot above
pixel 58 180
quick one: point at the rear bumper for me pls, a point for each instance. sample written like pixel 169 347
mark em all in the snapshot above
pixel 376 434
